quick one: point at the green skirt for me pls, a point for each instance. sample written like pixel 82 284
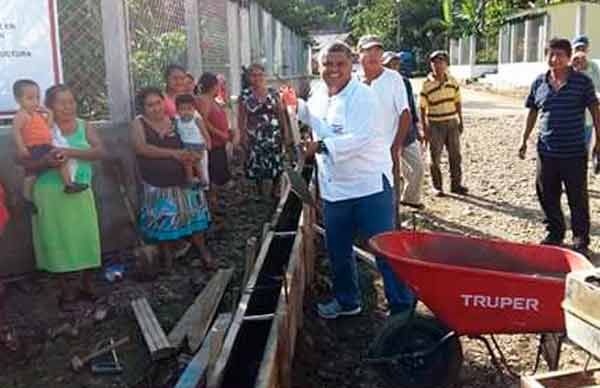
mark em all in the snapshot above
pixel 66 236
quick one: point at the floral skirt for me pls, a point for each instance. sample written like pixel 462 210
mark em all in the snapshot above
pixel 265 160
pixel 171 213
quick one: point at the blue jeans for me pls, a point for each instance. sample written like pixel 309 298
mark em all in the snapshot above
pixel 366 216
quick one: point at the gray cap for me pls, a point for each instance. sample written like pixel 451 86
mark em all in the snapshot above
pixel 388 56
pixel 367 41
pixel 579 41
pixel 438 54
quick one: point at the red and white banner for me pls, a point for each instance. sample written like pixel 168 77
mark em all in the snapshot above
pixel 29 47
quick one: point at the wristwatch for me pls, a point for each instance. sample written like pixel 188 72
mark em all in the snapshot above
pixel 321 147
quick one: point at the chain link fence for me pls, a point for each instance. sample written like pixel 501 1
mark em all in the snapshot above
pixel 157 35
pixel 82 52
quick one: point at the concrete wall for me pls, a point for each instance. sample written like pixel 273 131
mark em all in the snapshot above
pixel 116 230
pixel 562 20
pixel 464 72
pixel 592 28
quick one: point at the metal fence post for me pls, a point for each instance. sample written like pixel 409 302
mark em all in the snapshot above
pixel 116 46
pixel 192 25
pixel 268 40
pixel 233 29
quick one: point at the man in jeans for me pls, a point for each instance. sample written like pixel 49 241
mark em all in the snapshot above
pixel 441 115
pixel 355 171
pixel 560 98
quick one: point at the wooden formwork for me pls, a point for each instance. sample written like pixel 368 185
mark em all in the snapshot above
pixel 273 356
pixel 275 369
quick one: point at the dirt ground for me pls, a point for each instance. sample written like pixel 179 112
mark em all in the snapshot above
pixel 32 310
pixel 501 205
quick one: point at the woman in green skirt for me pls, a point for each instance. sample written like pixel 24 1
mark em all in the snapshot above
pixel 66 235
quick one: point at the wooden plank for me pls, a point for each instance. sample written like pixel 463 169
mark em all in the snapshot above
pixel 195 322
pixel 250 256
pixel 216 378
pixel 158 345
pixel 199 367
pixel 563 379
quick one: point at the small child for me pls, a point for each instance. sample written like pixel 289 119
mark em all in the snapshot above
pixel 195 139
pixel 33 137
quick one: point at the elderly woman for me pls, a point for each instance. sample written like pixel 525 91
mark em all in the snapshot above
pixel 262 127
pixel 170 209
pixel 177 83
pixel 66 236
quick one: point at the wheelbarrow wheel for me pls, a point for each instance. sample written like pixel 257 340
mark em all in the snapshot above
pixel 408 353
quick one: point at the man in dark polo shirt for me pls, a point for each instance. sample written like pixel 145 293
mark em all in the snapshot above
pixel 560 97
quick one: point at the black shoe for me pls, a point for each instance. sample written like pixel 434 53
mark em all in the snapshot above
pixel 581 246
pixel 75 188
pixel 552 240
pixel 460 190
pixel 30 207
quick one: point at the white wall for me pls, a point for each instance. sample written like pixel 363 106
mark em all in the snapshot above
pixel 464 72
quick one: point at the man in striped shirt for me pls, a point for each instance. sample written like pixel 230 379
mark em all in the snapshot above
pixel 560 98
pixel 441 115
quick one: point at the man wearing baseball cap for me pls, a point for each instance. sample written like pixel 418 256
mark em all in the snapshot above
pixel 412 168
pixel 395 115
pixel 441 116
pixel 581 45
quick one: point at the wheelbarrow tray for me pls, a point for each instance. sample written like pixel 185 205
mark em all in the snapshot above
pixel 476 286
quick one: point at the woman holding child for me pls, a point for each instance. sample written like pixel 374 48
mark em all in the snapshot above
pixel 171 208
pixel 66 235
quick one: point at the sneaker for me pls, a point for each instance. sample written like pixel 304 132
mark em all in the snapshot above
pixel 333 310
pixel 551 239
pixel 439 193
pixel 581 246
pixel 460 190
pixel 418 206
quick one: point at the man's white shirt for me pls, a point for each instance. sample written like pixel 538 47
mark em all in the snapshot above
pixel 391 91
pixel 351 126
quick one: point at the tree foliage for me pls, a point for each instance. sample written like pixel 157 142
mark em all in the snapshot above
pixel 299 15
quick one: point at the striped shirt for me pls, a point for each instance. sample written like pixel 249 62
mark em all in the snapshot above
pixel 439 99
pixel 562 114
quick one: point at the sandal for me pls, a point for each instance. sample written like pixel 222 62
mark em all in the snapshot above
pixel 88 295
pixel 65 304
pixel 9 339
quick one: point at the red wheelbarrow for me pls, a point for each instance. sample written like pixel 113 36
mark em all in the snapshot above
pixel 473 287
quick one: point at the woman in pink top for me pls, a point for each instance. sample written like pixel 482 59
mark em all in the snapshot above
pixel 215 118
pixel 175 76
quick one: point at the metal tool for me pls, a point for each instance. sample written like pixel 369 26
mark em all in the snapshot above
pixel 108 367
pixel 77 363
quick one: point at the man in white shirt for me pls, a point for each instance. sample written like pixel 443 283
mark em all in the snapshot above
pixel 391 90
pixel 354 171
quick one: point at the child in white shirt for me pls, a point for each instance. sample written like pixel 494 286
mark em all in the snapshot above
pixel 195 139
